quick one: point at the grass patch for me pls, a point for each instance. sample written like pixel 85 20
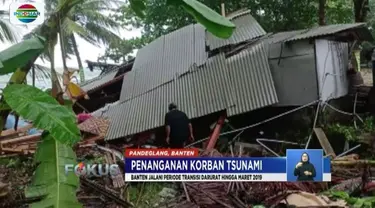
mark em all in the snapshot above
pixel 149 193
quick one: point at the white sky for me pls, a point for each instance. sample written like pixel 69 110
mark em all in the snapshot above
pixel 87 51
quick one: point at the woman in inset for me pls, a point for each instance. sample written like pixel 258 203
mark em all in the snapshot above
pixel 305 171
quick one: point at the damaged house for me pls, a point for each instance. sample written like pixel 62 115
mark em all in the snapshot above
pixel 316 60
pixel 214 78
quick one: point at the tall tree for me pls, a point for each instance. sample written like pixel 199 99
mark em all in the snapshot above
pixel 273 15
pixel 119 51
pixel 322 12
pixel 88 21
pixel 361 8
pixel 339 11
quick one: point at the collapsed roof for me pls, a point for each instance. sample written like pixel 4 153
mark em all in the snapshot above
pixel 177 68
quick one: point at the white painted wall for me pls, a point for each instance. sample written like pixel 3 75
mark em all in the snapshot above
pixel 332 64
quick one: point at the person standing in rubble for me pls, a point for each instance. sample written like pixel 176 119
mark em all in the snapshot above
pixel 178 127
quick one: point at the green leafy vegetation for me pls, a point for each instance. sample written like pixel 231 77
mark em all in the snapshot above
pixel 148 195
pixel 349 132
pixel 273 15
pixel 18 55
pixel 45 112
pixel 214 23
pixel 50 181
pixel 365 202
pixel 138 6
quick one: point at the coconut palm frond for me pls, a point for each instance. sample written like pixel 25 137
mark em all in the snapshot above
pixel 7 31
pixel 100 5
pixel 33 32
pixel 44 73
pixel 70 27
pixel 101 34
pixel 50 5
pixel 97 18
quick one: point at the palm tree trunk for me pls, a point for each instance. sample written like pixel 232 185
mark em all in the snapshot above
pixel 57 91
pixel 361 8
pixel 63 54
pixel 322 12
pixel 66 74
pixel 80 65
pixel 33 81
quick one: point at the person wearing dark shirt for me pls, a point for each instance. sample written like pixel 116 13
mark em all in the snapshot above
pixel 305 171
pixel 178 127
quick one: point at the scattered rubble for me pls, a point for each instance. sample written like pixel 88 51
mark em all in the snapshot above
pixel 304 199
pixel 16 142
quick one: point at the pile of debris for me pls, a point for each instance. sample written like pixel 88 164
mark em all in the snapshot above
pixel 93 192
pixel 93 129
pixel 271 194
pixel 16 142
pixel 20 142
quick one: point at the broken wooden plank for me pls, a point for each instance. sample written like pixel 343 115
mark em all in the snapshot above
pixel 21 139
pixel 9 132
pixel 323 140
pixel 12 150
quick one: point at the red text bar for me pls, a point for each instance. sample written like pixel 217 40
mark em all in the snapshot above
pixel 161 152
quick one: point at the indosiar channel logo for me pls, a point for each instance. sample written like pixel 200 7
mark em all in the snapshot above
pixel 26 13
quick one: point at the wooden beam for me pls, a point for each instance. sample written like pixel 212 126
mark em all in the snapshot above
pixel 323 140
pixel 21 139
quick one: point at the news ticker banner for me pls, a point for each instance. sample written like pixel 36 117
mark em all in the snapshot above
pixel 173 165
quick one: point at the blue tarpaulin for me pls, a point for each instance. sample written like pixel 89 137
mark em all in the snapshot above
pixel 11 120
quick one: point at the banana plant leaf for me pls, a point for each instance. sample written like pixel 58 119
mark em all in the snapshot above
pixel 57 188
pixel 216 24
pixel 33 104
pixel 20 54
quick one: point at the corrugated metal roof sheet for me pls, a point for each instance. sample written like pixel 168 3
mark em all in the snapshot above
pixel 165 58
pixel 102 112
pixel 201 91
pixel 241 83
pixel 325 30
pixel 294 35
pixel 253 86
pixel 247 28
pixel 98 81
pixel 282 36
